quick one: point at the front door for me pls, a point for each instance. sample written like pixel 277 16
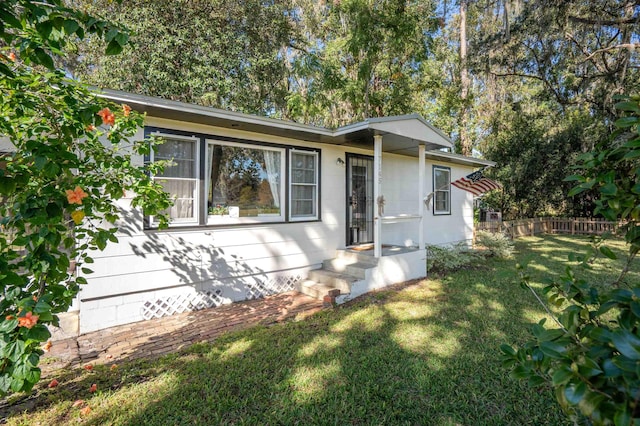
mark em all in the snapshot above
pixel 359 199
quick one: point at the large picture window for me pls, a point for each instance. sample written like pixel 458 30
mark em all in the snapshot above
pixel 304 185
pixel 226 181
pixel 180 178
pixel 441 190
pixel 243 183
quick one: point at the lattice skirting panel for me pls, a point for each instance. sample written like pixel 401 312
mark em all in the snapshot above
pixel 179 303
pixel 274 285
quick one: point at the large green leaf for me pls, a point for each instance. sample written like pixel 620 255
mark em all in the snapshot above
pixel 574 392
pixel 552 349
pixel 608 252
pixel 628 106
pixel 562 376
pixel 113 48
pixel 626 343
pixel 38 333
pixel 626 122
pixel 8 325
pixel 14 350
pixel 609 189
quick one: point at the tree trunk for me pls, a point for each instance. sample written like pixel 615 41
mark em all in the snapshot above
pixel 465 142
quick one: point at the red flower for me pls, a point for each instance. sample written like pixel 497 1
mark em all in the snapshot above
pixel 88 367
pixel 53 384
pixel 107 116
pixel 12 57
pixel 126 109
pixel 93 388
pixel 75 196
pixel 28 320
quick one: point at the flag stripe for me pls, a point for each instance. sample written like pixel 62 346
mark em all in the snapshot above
pixel 476 183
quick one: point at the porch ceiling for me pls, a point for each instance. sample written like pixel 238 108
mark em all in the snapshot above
pixel 401 134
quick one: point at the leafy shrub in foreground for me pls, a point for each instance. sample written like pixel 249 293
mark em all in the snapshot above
pixel 591 358
pixel 72 157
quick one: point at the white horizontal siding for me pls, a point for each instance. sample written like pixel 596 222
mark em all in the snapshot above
pixel 239 261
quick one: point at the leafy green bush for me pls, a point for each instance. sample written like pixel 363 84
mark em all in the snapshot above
pixel 592 357
pixel 497 244
pixel 71 159
pixel 441 259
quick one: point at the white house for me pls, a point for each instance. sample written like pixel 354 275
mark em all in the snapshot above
pixel 266 206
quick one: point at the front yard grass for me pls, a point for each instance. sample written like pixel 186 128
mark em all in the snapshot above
pixel 421 353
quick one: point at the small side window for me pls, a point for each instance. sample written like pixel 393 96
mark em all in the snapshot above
pixel 304 185
pixel 180 179
pixel 441 190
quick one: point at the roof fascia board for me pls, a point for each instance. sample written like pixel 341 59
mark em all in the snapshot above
pixel 460 159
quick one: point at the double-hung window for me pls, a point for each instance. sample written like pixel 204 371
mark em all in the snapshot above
pixel 304 185
pixel 180 177
pixel 441 190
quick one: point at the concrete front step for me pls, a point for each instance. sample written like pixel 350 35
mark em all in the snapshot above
pixel 316 290
pixel 333 279
pixel 342 266
pixel 351 256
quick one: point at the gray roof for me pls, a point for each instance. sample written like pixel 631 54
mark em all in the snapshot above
pixel 401 134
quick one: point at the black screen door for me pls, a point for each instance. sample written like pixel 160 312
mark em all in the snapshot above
pixel 359 199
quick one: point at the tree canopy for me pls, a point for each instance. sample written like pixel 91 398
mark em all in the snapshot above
pixel 519 82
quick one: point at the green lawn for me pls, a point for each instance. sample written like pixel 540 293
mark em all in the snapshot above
pixel 425 353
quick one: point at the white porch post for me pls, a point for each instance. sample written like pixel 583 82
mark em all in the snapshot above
pixel 377 183
pixel 421 184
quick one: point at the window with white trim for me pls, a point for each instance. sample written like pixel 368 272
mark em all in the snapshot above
pixel 216 180
pixel 304 185
pixel 180 177
pixel 244 183
pixel 441 190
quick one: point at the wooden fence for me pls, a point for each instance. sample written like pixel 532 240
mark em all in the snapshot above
pixel 550 225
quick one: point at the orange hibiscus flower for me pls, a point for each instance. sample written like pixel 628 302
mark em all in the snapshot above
pixel 28 320
pixel 107 116
pixel 75 196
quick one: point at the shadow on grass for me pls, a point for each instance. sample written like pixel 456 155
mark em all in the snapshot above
pixel 422 353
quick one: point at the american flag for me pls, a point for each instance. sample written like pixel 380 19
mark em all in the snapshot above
pixel 476 183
